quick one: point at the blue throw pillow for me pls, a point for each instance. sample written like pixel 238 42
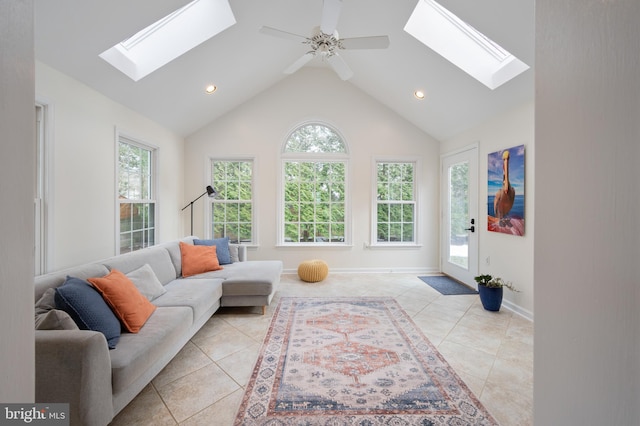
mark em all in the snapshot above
pixel 88 309
pixel 222 248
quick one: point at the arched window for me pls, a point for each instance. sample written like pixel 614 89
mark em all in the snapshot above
pixel 314 176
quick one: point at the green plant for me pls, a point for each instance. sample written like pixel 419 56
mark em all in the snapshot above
pixel 497 282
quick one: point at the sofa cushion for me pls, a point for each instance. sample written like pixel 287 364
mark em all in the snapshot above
pixel 197 293
pixel 129 305
pixel 164 330
pixel 157 257
pixel 255 278
pixel 198 259
pixel 47 317
pixel 233 253
pixel 55 279
pixel 88 309
pixel 146 282
pixel 222 248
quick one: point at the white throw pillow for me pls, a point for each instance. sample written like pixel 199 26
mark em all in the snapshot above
pixel 146 282
pixel 47 317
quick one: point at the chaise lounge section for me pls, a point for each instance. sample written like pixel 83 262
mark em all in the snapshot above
pixel 76 365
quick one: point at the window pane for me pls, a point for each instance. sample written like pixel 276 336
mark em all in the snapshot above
pixel 407 213
pixel 291 234
pixel 315 138
pixel 383 232
pixel 323 212
pixel 337 233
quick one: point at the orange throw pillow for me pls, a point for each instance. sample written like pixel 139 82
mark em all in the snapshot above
pixel 198 259
pixel 125 300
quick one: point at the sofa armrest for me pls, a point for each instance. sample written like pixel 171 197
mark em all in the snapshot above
pixel 74 366
pixel 242 253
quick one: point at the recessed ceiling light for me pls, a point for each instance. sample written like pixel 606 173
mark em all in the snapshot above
pixel 419 94
pixel 210 89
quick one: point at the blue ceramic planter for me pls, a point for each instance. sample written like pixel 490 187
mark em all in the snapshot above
pixel 491 297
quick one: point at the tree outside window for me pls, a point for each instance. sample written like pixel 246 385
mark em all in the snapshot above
pixel 232 212
pixel 314 179
pixel 396 207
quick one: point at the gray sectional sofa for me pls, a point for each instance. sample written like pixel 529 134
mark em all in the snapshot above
pixel 76 366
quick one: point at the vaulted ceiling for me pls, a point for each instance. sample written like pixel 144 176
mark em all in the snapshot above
pixel 241 62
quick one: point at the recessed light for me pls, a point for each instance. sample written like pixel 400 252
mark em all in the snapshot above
pixel 210 89
pixel 419 94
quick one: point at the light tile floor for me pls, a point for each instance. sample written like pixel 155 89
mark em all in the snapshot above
pixel 203 385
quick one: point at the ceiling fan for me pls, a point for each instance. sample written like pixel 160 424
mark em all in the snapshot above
pixel 325 41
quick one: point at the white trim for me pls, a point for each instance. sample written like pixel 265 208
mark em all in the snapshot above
pixel 320 122
pixel 443 202
pixel 48 199
pixel 348 238
pixel 254 194
pixel 474 145
pixel 417 222
pixel 526 314
pixel 342 157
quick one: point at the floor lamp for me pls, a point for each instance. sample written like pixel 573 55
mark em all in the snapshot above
pixel 210 192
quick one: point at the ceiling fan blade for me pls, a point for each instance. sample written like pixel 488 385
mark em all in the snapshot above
pixel 283 34
pixel 375 42
pixel 340 66
pixel 299 63
pixel 330 14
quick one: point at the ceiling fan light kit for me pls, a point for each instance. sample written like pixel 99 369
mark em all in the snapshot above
pixel 325 42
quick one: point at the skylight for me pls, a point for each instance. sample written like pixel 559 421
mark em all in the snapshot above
pixel 170 37
pixel 463 45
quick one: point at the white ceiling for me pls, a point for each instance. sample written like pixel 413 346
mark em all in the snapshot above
pixel 70 34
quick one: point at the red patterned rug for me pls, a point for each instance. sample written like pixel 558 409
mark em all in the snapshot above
pixel 353 361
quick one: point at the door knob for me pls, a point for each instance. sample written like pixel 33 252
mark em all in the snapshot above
pixel 472 229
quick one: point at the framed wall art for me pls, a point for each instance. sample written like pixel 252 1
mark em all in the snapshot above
pixel 505 196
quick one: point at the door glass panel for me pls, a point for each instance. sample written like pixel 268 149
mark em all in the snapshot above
pixel 459 214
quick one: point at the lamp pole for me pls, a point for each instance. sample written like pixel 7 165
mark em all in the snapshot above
pixel 210 192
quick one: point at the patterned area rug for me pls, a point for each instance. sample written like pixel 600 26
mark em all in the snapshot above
pixel 353 361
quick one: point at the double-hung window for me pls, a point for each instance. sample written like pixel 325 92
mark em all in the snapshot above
pixel 314 177
pixel 232 212
pixel 136 204
pixel 395 209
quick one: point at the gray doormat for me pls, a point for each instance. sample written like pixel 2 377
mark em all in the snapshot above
pixel 447 286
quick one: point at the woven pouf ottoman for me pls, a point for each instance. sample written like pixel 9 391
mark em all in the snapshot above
pixel 313 271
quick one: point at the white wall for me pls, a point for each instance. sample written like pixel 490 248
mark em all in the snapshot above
pixel 511 257
pixel 587 290
pixel 259 127
pixel 17 177
pixel 83 180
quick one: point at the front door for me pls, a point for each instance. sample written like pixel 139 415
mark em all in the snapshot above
pixel 459 242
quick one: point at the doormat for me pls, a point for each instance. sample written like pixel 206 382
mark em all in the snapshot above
pixel 447 286
pixel 353 361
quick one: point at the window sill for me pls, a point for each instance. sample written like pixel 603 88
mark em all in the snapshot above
pixel 315 245
pixel 385 246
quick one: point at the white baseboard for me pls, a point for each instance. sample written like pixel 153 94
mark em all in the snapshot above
pixel 518 310
pixel 391 270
